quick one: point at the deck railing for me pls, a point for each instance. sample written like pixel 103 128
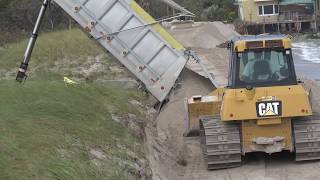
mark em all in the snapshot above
pixel 295 16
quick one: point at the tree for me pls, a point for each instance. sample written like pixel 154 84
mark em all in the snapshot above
pixel 221 10
pixel 212 10
pixel 17 18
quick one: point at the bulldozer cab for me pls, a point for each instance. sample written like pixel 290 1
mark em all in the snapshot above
pixel 261 61
pixel 262 75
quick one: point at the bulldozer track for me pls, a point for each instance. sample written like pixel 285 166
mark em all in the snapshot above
pixel 307 138
pixel 220 142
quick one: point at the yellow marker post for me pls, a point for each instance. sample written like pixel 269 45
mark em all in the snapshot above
pixel 68 81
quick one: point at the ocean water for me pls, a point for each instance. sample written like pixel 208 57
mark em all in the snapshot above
pixel 306 56
pixel 307 50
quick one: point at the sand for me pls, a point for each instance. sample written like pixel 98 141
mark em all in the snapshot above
pixel 174 157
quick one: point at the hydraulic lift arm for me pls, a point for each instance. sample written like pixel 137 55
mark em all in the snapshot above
pixel 21 76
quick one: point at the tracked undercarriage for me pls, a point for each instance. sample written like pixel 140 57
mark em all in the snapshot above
pixel 221 141
pixel 307 138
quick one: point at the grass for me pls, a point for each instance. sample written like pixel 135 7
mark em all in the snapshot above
pixel 52 47
pixel 48 130
pixel 67 52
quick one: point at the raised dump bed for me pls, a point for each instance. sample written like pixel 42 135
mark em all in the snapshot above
pixel 134 38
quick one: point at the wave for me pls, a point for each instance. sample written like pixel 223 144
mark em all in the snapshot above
pixel 308 50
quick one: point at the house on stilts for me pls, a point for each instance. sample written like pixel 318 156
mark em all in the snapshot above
pixel 278 16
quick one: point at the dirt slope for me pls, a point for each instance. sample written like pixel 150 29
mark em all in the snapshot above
pixel 166 144
pixel 174 157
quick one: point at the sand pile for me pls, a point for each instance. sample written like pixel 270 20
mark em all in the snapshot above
pixel 205 35
pixel 203 38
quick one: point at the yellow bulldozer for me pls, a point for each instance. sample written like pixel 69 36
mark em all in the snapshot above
pixel 264 108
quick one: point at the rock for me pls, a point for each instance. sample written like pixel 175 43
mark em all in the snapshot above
pixel 116 118
pixel 136 125
pixel 132 122
pixel 132 116
pixel 98 154
pixel 135 103
pixel 152 114
pixel 116 69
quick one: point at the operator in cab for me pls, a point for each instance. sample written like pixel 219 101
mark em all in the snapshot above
pixel 263 66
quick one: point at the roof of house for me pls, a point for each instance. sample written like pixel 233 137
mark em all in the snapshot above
pixel 283 2
pixel 287 2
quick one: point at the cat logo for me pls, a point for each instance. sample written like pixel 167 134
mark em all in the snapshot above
pixel 269 108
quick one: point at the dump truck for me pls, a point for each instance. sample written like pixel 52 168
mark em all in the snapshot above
pixel 264 108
